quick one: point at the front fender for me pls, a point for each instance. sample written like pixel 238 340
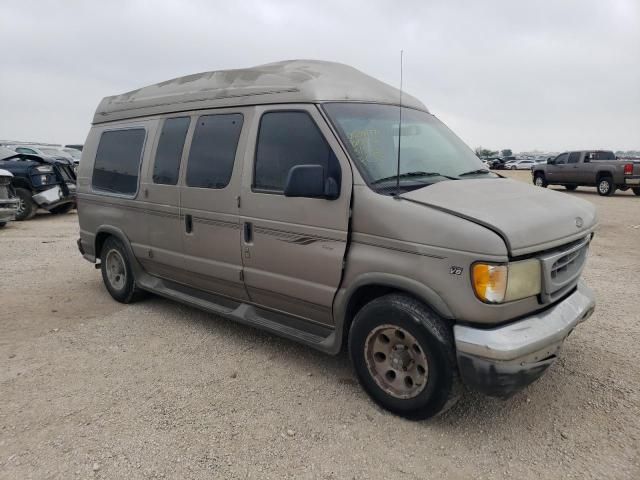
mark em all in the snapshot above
pixel 415 288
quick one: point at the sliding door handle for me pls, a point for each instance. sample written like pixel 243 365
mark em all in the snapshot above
pixel 248 232
pixel 188 223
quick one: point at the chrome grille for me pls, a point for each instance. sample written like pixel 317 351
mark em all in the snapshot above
pixel 4 191
pixel 561 269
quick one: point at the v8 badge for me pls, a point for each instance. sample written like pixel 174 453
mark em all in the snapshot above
pixel 455 270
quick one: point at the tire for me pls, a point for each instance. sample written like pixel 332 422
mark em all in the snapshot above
pixel 606 187
pixel 3 224
pixel 636 191
pixel 571 188
pixel 424 339
pixel 513 168
pixel 540 181
pixel 27 207
pixel 62 209
pixel 117 273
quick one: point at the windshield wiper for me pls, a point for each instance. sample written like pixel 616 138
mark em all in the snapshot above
pixel 479 171
pixel 412 174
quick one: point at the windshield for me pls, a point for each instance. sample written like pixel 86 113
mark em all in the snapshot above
pixel 429 151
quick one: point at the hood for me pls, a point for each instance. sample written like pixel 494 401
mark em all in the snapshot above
pixel 5 173
pixel 528 218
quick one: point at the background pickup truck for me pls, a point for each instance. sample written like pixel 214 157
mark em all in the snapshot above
pixel 590 168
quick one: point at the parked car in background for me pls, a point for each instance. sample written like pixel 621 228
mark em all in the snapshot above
pixel 74 153
pixel 591 168
pixel 8 201
pixel 40 182
pixel 519 165
pixel 499 163
pixel 286 211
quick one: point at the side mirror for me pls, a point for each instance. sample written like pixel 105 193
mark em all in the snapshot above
pixel 309 181
pixel 586 160
pixel 550 162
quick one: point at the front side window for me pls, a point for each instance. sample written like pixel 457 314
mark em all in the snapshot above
pixel 561 159
pixel 213 150
pixel 118 161
pixel 167 164
pixel 287 139
pixel 429 151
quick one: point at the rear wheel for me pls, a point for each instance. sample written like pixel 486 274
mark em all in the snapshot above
pixel 59 210
pixel 606 187
pixel 117 273
pixel 539 180
pixel 404 357
pixel 636 190
pixel 26 206
pixel 571 188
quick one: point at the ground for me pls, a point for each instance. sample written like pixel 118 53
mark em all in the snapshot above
pixel 90 388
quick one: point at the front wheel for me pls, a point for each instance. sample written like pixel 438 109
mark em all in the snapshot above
pixel 606 187
pixel 636 191
pixel 539 181
pixel 404 357
pixel 26 206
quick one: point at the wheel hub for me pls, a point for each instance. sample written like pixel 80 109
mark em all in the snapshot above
pixel 115 269
pixel 396 361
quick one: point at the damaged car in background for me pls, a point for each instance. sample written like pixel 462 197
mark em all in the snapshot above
pixel 40 182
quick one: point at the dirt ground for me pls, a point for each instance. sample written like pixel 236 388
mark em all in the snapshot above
pixel 90 388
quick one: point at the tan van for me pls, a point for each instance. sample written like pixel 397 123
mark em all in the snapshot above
pixel 270 196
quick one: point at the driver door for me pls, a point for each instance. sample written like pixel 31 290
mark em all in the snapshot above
pixel 293 247
pixel 556 172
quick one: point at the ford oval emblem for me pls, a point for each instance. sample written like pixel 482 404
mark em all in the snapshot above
pixel 579 222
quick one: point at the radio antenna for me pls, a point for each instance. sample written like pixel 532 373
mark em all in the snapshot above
pixel 399 130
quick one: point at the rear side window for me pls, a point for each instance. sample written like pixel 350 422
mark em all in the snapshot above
pixel 118 161
pixel 25 150
pixel 213 150
pixel 167 164
pixel 287 139
pixel 574 157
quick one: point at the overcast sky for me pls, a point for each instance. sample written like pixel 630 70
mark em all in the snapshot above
pixel 550 75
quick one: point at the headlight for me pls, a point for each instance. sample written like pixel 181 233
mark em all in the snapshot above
pixel 504 283
pixel 44 169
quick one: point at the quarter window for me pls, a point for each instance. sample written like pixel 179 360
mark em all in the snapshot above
pixel 287 139
pixel 169 152
pixel 118 161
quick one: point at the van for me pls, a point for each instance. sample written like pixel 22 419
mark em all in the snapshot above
pixel 303 198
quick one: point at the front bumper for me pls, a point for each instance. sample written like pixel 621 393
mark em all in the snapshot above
pixel 503 360
pixel 54 197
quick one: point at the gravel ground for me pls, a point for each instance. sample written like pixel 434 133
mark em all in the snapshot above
pixel 90 388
